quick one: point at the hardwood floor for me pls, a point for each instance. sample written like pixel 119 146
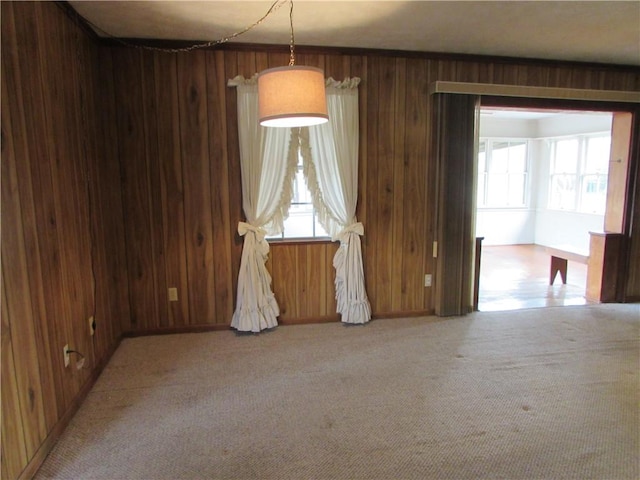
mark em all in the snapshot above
pixel 513 277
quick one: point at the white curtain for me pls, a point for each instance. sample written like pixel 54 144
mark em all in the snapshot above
pixel 268 164
pixel 330 156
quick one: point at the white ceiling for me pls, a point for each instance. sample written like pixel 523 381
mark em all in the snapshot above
pixel 589 31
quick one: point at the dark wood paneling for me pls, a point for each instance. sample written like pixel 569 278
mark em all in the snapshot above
pixel 172 188
pixel 415 261
pixel 135 188
pixel 219 177
pixel 397 174
pixel 61 249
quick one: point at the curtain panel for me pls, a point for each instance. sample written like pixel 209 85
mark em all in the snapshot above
pixel 268 162
pixel 330 159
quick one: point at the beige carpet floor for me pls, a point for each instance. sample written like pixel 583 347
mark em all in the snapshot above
pixel 533 394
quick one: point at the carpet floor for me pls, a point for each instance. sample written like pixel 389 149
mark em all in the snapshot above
pixel 531 394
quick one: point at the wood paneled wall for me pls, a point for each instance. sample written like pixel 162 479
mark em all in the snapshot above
pixel 178 149
pixel 62 228
pixel 120 179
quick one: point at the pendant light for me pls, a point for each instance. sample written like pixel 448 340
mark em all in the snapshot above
pixel 292 96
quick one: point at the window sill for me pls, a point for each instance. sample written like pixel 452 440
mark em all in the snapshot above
pixel 275 242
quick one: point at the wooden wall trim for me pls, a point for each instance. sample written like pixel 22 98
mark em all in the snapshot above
pixel 534 92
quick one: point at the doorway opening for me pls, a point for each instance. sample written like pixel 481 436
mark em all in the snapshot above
pixel 541 189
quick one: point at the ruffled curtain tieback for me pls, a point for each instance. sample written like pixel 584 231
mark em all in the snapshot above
pixel 343 235
pixel 244 228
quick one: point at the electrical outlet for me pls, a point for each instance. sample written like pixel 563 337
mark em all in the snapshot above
pixel 92 325
pixel 427 280
pixel 173 294
pixel 65 352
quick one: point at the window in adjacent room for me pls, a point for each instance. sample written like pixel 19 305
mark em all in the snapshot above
pixel 502 173
pixel 578 173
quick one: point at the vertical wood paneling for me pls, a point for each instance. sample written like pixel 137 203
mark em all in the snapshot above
pixel 383 185
pixel 284 273
pixel 415 188
pixel 47 210
pixel 171 188
pixel 154 175
pixel 135 188
pixel 314 258
pixel 14 450
pixel 303 277
pixel 233 150
pixel 112 303
pixel 15 272
pixel 397 174
pixel 359 69
pixel 219 182
pixel 368 178
pixel 55 258
pixel 194 138
pixel 33 152
pixel 399 168
pixel 331 302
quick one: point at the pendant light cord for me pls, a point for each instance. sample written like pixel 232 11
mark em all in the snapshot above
pixel 292 57
pixel 274 6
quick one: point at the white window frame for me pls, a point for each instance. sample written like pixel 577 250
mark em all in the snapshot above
pixel 580 174
pixel 484 176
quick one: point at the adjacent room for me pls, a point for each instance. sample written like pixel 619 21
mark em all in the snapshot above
pixel 542 183
pixel 191 291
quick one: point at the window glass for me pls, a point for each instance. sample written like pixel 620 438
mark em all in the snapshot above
pixel 563 192
pixel 594 194
pixel 497 189
pixel 482 174
pixel 302 221
pixel 579 169
pixel 499 158
pixel 502 173
pixel 517 182
pixel 597 158
pixel 566 156
pixel 518 157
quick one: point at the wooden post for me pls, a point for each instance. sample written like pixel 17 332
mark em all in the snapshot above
pixel 605 251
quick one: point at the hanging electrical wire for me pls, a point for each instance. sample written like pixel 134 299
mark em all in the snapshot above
pixel 212 43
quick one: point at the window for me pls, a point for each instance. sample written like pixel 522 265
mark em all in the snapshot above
pixel 502 173
pixel 578 173
pixel 302 221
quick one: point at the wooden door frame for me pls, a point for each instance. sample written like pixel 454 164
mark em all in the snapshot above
pixel 464 262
